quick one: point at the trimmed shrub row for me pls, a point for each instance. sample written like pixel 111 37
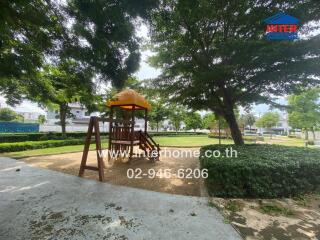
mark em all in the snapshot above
pixel 253 138
pixel 245 138
pixel 20 146
pixel 263 171
pixel 216 135
pixel 23 137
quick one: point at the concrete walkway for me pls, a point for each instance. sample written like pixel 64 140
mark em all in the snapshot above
pixel 41 204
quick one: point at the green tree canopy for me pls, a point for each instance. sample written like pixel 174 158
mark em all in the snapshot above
pixel 63 84
pixel 107 31
pixel 41 119
pixel 177 114
pixel 28 30
pixel 209 121
pixel 248 119
pixel 6 114
pixel 159 112
pixel 304 109
pixel 98 35
pixel 268 120
pixel 193 121
pixel 214 54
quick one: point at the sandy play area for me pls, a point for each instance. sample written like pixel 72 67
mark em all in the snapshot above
pixel 117 174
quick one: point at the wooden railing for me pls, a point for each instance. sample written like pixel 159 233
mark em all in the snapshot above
pixel 148 144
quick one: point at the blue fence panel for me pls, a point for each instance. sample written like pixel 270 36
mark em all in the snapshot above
pixel 6 127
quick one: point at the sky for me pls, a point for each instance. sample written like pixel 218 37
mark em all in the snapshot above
pixel 145 71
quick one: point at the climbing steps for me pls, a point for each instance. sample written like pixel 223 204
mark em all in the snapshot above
pixel 149 146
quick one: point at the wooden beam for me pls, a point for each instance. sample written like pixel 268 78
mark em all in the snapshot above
pixel 86 148
pixel 132 133
pixel 110 134
pixel 100 119
pixel 145 120
pixel 93 125
pixel 91 168
pixel 98 149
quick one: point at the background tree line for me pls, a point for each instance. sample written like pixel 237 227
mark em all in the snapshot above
pixel 213 55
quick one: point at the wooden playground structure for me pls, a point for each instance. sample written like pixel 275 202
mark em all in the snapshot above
pixel 122 134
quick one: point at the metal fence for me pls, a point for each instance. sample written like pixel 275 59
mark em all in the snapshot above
pixel 7 127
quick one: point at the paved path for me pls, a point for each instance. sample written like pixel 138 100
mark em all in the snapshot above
pixel 41 204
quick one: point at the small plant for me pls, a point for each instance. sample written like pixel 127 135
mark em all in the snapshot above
pixel 233 206
pixel 275 210
pixel 213 205
pixel 226 221
pixel 301 200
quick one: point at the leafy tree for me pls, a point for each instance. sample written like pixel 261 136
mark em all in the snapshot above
pixel 248 119
pixel 99 36
pixel 213 123
pixel 63 84
pixel 304 110
pixel 110 45
pixel 28 30
pixel 41 119
pixel 209 121
pixel 193 121
pixel 159 112
pixel 177 114
pixel 19 118
pixel 214 54
pixel 268 120
pixel 6 114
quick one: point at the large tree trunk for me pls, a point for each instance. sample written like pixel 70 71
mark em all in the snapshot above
pixel 313 134
pixel 63 115
pixel 306 137
pixel 233 125
pixel 157 126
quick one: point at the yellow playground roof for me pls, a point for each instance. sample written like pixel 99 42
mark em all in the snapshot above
pixel 127 98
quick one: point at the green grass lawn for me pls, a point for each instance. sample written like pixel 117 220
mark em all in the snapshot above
pixel 164 141
pixel 47 151
pixel 285 141
pixel 188 141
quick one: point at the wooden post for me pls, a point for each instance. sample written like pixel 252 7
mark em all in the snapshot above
pixel 110 133
pixel 219 130
pixel 132 133
pixel 145 120
pixel 86 148
pixel 93 124
pixel 98 148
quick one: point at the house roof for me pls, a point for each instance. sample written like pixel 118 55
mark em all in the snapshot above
pixel 281 18
pixel 128 98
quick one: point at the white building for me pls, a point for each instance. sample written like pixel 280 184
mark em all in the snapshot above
pixel 79 114
pixel 282 127
pixel 79 120
pixel 30 116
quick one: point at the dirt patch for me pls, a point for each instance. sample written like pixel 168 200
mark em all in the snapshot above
pixel 273 219
pixel 117 174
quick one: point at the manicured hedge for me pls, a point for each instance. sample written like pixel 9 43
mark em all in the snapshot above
pixel 216 135
pixel 20 146
pixel 253 138
pixel 23 137
pixel 264 171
